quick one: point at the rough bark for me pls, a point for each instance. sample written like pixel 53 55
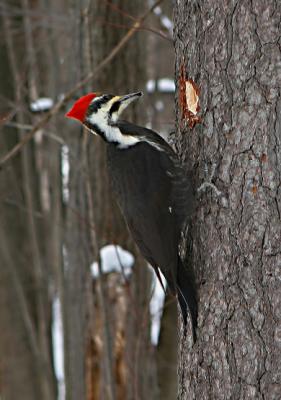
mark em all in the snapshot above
pixel 231 49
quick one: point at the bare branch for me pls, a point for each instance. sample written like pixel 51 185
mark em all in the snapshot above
pixel 141 29
pixel 19 126
pixel 120 11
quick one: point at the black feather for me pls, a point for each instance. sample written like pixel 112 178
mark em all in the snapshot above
pixel 186 289
pixel 155 197
pixel 97 103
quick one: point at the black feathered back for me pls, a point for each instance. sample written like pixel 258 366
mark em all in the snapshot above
pixel 155 197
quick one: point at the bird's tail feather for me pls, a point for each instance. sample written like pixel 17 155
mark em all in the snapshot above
pixel 186 290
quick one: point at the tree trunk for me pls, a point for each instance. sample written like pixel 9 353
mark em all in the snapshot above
pixel 77 281
pixel 232 51
pixel 132 353
pixel 25 224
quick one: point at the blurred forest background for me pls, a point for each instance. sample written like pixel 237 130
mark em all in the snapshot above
pixel 81 314
pixel 75 322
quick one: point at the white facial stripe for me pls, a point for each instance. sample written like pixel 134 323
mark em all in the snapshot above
pixel 106 107
pixel 96 99
pixel 123 106
pixel 112 133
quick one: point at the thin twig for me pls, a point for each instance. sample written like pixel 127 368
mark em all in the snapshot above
pixel 141 29
pixel 59 105
pixel 120 11
pixel 19 126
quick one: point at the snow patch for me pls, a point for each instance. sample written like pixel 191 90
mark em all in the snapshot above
pixel 114 259
pixel 157 10
pixel 165 85
pixel 150 86
pixel 159 105
pixel 167 23
pixel 65 167
pixel 65 259
pixel 58 347
pixel 42 104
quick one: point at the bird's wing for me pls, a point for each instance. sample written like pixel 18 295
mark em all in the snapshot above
pixel 144 193
pixel 182 189
pixel 158 247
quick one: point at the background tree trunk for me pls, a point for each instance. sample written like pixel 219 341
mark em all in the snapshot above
pixel 28 226
pixel 232 51
pixel 77 280
pixel 56 209
pixel 133 360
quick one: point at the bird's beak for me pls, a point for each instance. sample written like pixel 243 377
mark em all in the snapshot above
pixel 128 98
pixel 124 101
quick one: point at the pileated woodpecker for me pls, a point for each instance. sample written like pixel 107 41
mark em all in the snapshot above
pixel 151 188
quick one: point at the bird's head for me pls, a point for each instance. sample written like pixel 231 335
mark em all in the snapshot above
pixel 99 113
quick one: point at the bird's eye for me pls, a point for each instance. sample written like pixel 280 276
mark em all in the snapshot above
pixel 94 107
pixel 107 97
pixel 98 102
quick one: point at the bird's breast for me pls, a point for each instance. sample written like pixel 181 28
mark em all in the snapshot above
pixel 138 176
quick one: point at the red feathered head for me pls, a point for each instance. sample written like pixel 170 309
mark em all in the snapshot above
pixel 80 107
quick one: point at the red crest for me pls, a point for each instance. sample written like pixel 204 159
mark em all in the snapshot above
pixel 79 109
